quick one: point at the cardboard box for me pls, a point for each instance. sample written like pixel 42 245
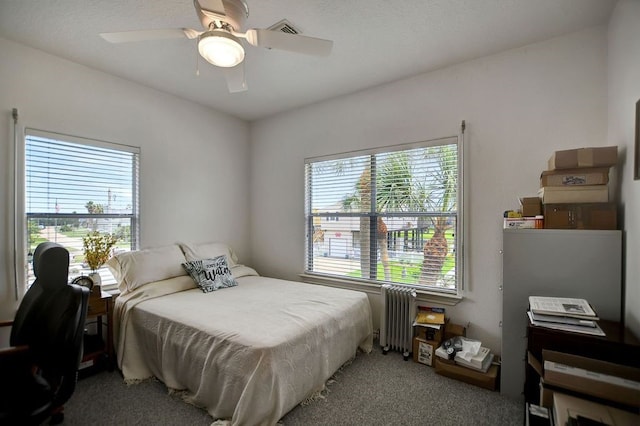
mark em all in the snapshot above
pixel 449 368
pixel 452 330
pixel 565 406
pixel 601 379
pixel 518 223
pixel 581 216
pixel 574 194
pixel 424 351
pixel 546 396
pixel 606 156
pixel 488 380
pixel 530 206
pixel 429 333
pixel 523 223
pixel 575 177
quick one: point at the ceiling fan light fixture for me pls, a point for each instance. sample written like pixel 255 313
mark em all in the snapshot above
pixel 220 48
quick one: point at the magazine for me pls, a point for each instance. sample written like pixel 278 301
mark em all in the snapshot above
pixel 594 331
pixel 563 320
pixel 562 306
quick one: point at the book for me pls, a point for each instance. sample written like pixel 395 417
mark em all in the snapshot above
pixel 536 415
pixel 563 320
pixel 430 315
pixel 594 331
pixel 562 306
pixel 479 362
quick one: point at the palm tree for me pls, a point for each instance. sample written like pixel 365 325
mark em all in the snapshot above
pixel 401 189
pixel 361 200
pixel 439 197
pixel 393 193
pixel 93 208
pixel 394 189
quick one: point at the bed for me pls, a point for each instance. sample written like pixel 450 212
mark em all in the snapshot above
pixel 247 354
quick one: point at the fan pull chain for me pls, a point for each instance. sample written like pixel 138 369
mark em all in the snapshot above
pixel 197 65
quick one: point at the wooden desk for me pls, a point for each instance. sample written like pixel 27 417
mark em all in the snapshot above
pixel 619 346
pixel 97 348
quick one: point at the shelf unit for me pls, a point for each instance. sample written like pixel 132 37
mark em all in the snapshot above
pixel 585 264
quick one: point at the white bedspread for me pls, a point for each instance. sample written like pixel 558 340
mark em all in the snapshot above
pixel 249 353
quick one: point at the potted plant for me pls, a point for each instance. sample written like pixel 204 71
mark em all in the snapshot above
pixel 97 250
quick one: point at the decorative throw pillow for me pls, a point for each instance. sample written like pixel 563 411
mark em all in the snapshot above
pixel 211 274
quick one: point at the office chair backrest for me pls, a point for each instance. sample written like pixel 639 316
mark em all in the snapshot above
pixel 51 319
pixel 51 268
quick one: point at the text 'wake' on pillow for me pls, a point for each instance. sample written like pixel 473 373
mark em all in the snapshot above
pixel 211 274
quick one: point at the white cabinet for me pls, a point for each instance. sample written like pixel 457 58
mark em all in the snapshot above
pixel 584 264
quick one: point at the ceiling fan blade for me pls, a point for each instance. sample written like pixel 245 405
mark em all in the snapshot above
pixel 209 10
pixel 145 35
pixel 289 42
pixel 210 5
pixel 235 78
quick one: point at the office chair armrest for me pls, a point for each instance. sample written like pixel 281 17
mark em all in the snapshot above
pixel 12 351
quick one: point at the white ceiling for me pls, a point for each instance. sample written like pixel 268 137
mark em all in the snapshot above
pixel 375 41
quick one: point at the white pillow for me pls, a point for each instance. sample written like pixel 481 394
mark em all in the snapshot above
pixel 209 251
pixel 134 269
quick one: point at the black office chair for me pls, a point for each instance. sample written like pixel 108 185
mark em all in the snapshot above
pixel 39 370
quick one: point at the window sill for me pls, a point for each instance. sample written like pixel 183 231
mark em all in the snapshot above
pixel 443 298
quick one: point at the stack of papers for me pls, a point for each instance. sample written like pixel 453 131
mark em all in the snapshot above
pixel 481 361
pixel 565 314
pixel 594 330
pixel 562 306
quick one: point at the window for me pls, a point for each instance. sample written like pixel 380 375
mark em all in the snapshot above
pixel 75 186
pixel 399 216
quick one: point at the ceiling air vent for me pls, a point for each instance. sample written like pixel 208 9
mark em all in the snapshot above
pixel 285 26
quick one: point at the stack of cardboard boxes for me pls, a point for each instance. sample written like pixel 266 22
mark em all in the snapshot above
pixel 575 192
pixel 587 380
pixel 450 368
pixel 426 343
pixel 429 329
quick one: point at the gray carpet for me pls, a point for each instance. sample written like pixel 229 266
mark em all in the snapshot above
pixel 374 389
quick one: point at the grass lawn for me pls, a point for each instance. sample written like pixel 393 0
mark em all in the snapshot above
pixel 76 232
pixel 405 272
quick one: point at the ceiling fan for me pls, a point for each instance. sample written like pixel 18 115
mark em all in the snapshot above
pixel 219 43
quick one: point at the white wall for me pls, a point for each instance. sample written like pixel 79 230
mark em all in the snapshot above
pixel 194 180
pixel 519 107
pixel 624 92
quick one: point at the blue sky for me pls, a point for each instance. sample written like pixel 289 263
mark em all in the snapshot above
pixel 68 175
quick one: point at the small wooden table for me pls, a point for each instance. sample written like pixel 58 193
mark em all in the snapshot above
pixel 97 349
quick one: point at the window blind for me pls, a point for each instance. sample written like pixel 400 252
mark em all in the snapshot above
pixel 75 186
pixel 388 215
